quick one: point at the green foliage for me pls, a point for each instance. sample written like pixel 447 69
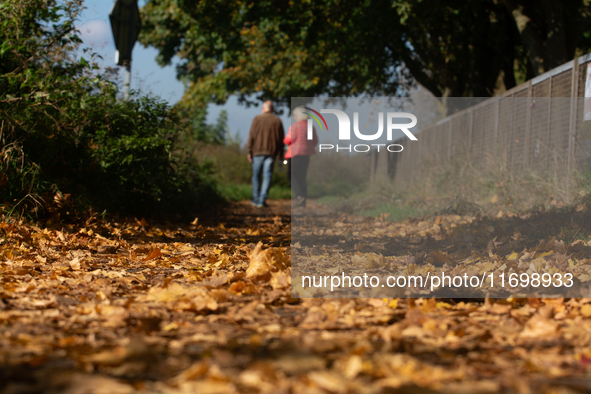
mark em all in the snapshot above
pixel 197 130
pixel 229 167
pixel 335 175
pixel 19 178
pixel 238 192
pixel 65 131
pixel 279 49
pixel 583 182
pixel 375 201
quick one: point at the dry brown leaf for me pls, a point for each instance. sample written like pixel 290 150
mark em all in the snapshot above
pixel 353 366
pixel 164 290
pixel 153 254
pixel 280 280
pixel 438 259
pixel 185 298
pixel 328 381
pixel 75 264
pixel 539 327
pixel 261 261
pixel 195 371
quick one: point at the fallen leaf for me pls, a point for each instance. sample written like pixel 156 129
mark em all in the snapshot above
pixel 75 264
pixel 153 254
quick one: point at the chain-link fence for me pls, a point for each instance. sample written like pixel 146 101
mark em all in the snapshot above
pixel 538 126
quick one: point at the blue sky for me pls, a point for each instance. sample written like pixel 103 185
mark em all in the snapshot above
pixel 147 75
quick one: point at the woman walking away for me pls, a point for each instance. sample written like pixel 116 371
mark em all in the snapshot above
pixel 298 156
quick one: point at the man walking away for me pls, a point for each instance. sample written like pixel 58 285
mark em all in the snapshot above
pixel 265 143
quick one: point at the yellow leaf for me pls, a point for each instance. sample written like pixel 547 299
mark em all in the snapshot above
pixel 512 256
pixel 393 303
pixel 572 263
pixel 224 259
pixel 252 231
pixel 586 310
pixel 170 293
pixel 544 254
pixel 170 327
pixel 429 305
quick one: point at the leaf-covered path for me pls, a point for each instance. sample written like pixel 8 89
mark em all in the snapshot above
pixel 122 307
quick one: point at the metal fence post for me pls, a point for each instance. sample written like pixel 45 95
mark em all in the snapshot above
pixel 470 130
pixel 510 159
pixel 549 115
pixel 572 124
pixel 449 141
pixel 528 125
pixel 496 135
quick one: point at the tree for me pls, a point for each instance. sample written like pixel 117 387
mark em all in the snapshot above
pixel 283 48
pixel 551 31
pixel 197 129
pixel 278 48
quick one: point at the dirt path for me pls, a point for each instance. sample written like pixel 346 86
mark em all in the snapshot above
pixel 122 307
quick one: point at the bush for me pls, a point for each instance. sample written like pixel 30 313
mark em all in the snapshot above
pixel 64 130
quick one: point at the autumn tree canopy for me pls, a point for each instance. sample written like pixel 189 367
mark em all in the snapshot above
pixel 283 48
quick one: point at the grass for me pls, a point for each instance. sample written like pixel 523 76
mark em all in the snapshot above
pixel 330 200
pixel 465 186
pixel 489 183
pixel 571 234
pixel 238 192
pixel 377 201
pixel 232 172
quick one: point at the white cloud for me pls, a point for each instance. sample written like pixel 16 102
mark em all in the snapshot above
pixel 96 32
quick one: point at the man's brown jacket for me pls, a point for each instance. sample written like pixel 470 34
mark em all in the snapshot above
pixel 266 136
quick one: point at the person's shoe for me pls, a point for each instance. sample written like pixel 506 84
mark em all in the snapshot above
pixel 260 205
